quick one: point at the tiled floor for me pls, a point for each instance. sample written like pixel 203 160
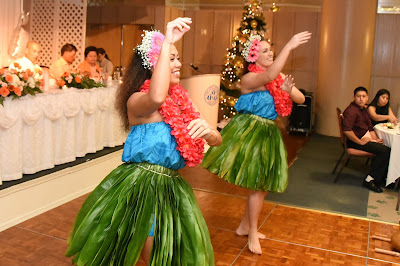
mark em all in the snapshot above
pixel 294 236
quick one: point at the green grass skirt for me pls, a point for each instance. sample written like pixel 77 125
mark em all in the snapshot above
pixel 115 220
pixel 252 154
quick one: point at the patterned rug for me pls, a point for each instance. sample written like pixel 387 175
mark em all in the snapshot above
pixel 382 206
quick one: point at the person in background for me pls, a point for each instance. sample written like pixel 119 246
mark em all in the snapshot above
pixel 253 154
pixel 360 135
pixel 379 109
pixel 104 62
pixel 29 61
pixel 64 63
pixel 89 66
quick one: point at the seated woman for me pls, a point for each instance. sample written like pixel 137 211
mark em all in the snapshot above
pixel 89 66
pixel 379 109
pixel 104 62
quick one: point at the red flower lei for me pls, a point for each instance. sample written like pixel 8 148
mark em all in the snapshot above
pixel 282 100
pixel 178 111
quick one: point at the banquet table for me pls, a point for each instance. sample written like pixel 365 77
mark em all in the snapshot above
pixel 391 138
pixel 51 128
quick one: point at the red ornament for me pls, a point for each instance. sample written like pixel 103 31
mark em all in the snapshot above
pixel 178 112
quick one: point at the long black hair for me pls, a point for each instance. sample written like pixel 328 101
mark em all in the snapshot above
pixel 102 51
pixel 376 99
pixel 133 79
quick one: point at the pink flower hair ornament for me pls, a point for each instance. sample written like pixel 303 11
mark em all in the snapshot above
pixel 251 48
pixel 150 48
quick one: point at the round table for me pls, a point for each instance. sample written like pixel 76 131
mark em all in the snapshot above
pixel 391 138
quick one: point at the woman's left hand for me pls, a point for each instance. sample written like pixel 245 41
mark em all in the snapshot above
pixel 288 84
pixel 199 128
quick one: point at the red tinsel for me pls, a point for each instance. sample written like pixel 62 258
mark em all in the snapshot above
pixel 178 112
pixel 282 100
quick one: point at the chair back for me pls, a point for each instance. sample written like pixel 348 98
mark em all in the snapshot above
pixel 343 138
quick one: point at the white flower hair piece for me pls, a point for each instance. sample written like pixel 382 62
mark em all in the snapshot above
pixel 251 48
pixel 150 48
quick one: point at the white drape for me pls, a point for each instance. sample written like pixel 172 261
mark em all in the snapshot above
pixel 11 10
pixel 37 133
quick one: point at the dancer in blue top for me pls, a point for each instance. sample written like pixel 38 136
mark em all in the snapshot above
pixel 144 207
pixel 252 154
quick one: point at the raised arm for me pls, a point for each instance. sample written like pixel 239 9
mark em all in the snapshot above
pixel 144 104
pixel 255 80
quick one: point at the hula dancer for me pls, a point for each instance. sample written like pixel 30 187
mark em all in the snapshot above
pixel 144 206
pixel 252 154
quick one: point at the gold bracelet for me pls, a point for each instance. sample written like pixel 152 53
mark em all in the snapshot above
pixel 216 138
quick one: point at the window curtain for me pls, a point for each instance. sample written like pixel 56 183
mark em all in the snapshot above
pixel 11 11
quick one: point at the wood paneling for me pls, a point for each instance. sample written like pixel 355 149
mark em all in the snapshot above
pixel 132 37
pixel 386 67
pixel 107 37
pixel 204 36
pixel 302 63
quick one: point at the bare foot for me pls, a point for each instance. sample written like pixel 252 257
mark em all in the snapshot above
pixel 242 232
pixel 254 244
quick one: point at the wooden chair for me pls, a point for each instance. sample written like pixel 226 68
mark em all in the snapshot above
pixel 347 152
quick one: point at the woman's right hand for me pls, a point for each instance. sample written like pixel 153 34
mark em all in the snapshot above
pixel 299 39
pixel 393 119
pixel 176 29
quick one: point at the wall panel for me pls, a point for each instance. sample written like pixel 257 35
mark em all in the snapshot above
pixel 108 37
pixel 386 66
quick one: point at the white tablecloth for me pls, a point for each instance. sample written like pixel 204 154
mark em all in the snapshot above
pixel 39 132
pixel 391 138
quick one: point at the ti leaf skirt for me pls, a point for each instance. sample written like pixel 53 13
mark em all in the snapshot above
pixel 252 154
pixel 115 220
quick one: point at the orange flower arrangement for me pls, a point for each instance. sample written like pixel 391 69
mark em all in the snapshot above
pixel 79 81
pixel 15 84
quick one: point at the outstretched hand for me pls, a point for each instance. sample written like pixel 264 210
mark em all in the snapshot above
pixel 288 84
pixel 299 39
pixel 176 29
pixel 199 128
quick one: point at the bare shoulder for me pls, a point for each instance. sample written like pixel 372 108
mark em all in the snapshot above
pixel 282 75
pixel 247 78
pixel 135 98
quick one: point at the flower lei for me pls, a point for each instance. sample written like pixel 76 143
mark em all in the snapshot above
pixel 178 111
pixel 150 48
pixel 282 100
pixel 251 48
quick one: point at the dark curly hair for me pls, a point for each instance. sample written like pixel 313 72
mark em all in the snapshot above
pixel 133 79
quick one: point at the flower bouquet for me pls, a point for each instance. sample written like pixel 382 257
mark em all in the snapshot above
pixel 79 81
pixel 15 84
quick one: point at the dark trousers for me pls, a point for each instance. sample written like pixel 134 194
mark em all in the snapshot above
pixel 381 161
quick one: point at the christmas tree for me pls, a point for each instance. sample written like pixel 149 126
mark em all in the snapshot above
pixel 253 22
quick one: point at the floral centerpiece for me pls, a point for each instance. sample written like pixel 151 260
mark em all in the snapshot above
pixel 79 81
pixel 15 83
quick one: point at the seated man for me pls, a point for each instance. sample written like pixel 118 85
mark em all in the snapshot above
pixel 361 135
pixel 29 61
pixel 64 63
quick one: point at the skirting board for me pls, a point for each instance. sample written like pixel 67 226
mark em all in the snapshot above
pixel 29 199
